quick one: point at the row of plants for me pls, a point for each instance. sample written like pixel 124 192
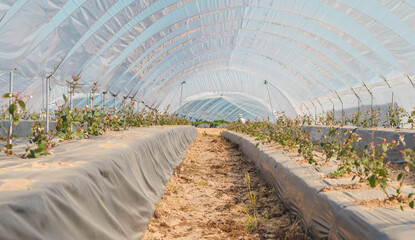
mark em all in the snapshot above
pixel 393 117
pixel 215 123
pixel 78 123
pixel 368 165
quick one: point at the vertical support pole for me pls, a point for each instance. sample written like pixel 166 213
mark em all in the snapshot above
pixel 393 102
pixel 115 102
pixel 315 109
pixel 309 113
pixel 371 102
pixel 269 98
pixel 181 94
pixel 103 99
pixel 47 103
pixel 341 101
pixel 302 109
pixel 321 105
pixel 87 99
pixel 10 133
pixel 358 99
pixel 332 103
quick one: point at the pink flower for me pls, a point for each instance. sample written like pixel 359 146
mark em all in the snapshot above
pixel 76 78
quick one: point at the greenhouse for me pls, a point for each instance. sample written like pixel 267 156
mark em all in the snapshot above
pixel 207 119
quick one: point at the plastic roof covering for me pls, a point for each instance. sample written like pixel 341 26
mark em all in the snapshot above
pixel 305 49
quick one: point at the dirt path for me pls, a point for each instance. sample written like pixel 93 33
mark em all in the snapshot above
pixel 208 197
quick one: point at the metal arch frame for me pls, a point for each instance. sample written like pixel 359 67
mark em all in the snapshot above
pixel 242 107
pixel 386 24
pixel 172 104
pixel 316 20
pixel 254 98
pixel 340 78
pixel 129 81
pixel 199 27
pixel 359 61
pixel 243 70
pixel 206 107
pixel 281 10
pixel 218 67
pixel 216 106
pixel 230 106
pixel 221 67
pixel 181 74
pixel 240 50
pixel 307 46
pixel 293 67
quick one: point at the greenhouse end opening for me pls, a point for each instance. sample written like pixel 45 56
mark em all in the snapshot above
pixel 207 119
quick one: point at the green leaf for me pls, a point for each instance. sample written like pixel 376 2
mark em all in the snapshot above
pixel 6 95
pixel 12 108
pixel 34 154
pixel 382 173
pixel 400 176
pixel 372 181
pixel 42 145
pixel 22 105
pixel 383 184
pixel 410 195
pixel 16 119
pixel 64 98
pixel 407 168
pixel 401 208
pixel 411 204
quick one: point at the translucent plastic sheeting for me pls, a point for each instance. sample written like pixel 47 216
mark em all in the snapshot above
pixel 106 188
pixel 224 105
pixel 225 110
pixel 306 49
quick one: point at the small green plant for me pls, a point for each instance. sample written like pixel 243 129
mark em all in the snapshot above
pixel 355 119
pixel 67 119
pixel 409 157
pixel 394 117
pixel 16 107
pixel 411 119
pixel 330 144
pixel 252 220
pixel 212 124
pixel 251 196
pixel 41 139
pixel 375 168
pixel 369 165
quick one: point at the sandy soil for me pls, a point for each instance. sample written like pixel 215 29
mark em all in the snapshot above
pixel 208 197
pixel 15 184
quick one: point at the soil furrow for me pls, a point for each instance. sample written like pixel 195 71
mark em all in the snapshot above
pixel 216 193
